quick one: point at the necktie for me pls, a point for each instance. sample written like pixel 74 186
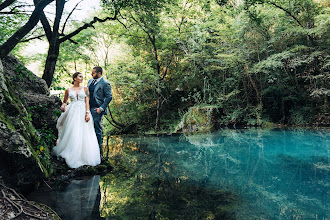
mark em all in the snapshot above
pixel 93 82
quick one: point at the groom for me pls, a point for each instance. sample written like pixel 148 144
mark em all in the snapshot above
pixel 100 97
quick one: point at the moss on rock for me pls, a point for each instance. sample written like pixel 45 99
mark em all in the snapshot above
pixel 24 157
pixel 200 119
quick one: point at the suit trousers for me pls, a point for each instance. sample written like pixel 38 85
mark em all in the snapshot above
pixel 98 127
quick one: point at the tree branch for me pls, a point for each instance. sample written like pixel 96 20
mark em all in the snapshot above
pixel 167 67
pixel 286 11
pixel 66 20
pixel 6 3
pixel 72 41
pixel 127 28
pixel 143 28
pixel 58 15
pixel 14 12
pixel 45 23
pixel 87 25
pixel 114 121
pixel 18 35
pixel 65 70
pixel 182 46
pixel 122 22
pixel 152 39
pixel 46 26
pixel 32 38
pixel 20 6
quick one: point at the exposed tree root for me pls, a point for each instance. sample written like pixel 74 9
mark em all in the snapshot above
pixel 15 206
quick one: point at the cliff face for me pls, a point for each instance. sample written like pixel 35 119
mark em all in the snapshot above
pixel 27 125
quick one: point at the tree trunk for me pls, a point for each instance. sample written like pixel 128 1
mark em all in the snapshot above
pixel 153 42
pixel 54 45
pixel 50 65
pixel 18 35
pixel 158 106
pixel 45 23
pixel 258 93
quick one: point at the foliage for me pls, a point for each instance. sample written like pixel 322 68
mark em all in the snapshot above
pixel 148 181
pixel 9 24
pixel 259 61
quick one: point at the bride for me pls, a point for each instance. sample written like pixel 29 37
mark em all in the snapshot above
pixel 77 142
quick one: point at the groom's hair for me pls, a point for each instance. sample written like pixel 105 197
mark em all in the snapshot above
pixel 98 69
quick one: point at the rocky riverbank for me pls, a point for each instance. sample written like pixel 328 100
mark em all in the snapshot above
pixel 27 112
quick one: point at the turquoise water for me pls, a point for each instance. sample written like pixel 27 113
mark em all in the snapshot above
pixel 231 174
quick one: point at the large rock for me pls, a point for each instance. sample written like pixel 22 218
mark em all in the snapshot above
pixel 200 119
pixel 23 79
pixel 34 94
pixel 25 105
pixel 18 167
pixel 44 110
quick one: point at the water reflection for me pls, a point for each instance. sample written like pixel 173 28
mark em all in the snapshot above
pixel 80 199
pixel 77 200
pixel 250 174
pixel 232 174
pixel 149 185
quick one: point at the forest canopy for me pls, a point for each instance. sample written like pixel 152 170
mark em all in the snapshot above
pixel 256 61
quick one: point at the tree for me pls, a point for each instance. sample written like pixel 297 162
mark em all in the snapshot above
pixel 6 47
pixel 55 38
pixel 143 19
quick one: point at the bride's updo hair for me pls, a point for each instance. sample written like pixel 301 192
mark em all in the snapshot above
pixel 75 75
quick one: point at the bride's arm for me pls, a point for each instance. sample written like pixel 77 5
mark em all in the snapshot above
pixel 87 116
pixel 65 100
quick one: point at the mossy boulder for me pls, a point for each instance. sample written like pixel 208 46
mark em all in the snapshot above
pixel 200 119
pixel 24 156
pixel 34 94
pixel 19 165
pixel 23 79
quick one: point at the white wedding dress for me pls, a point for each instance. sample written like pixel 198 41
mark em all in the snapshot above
pixel 77 142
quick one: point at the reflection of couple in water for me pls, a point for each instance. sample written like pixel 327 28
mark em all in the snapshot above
pixel 79 200
pixel 80 143
pixel 80 130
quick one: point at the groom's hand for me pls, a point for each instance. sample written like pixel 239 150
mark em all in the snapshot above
pixel 98 110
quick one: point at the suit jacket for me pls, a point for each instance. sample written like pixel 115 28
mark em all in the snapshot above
pixel 102 93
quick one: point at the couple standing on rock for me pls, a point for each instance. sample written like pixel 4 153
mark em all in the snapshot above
pixel 79 126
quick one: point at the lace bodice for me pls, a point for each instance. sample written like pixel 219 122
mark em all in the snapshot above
pixel 77 96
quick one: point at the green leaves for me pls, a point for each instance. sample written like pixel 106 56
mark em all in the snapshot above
pixel 9 24
pixel 259 60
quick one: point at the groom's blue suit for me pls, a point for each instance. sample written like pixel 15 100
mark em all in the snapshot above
pixel 100 97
